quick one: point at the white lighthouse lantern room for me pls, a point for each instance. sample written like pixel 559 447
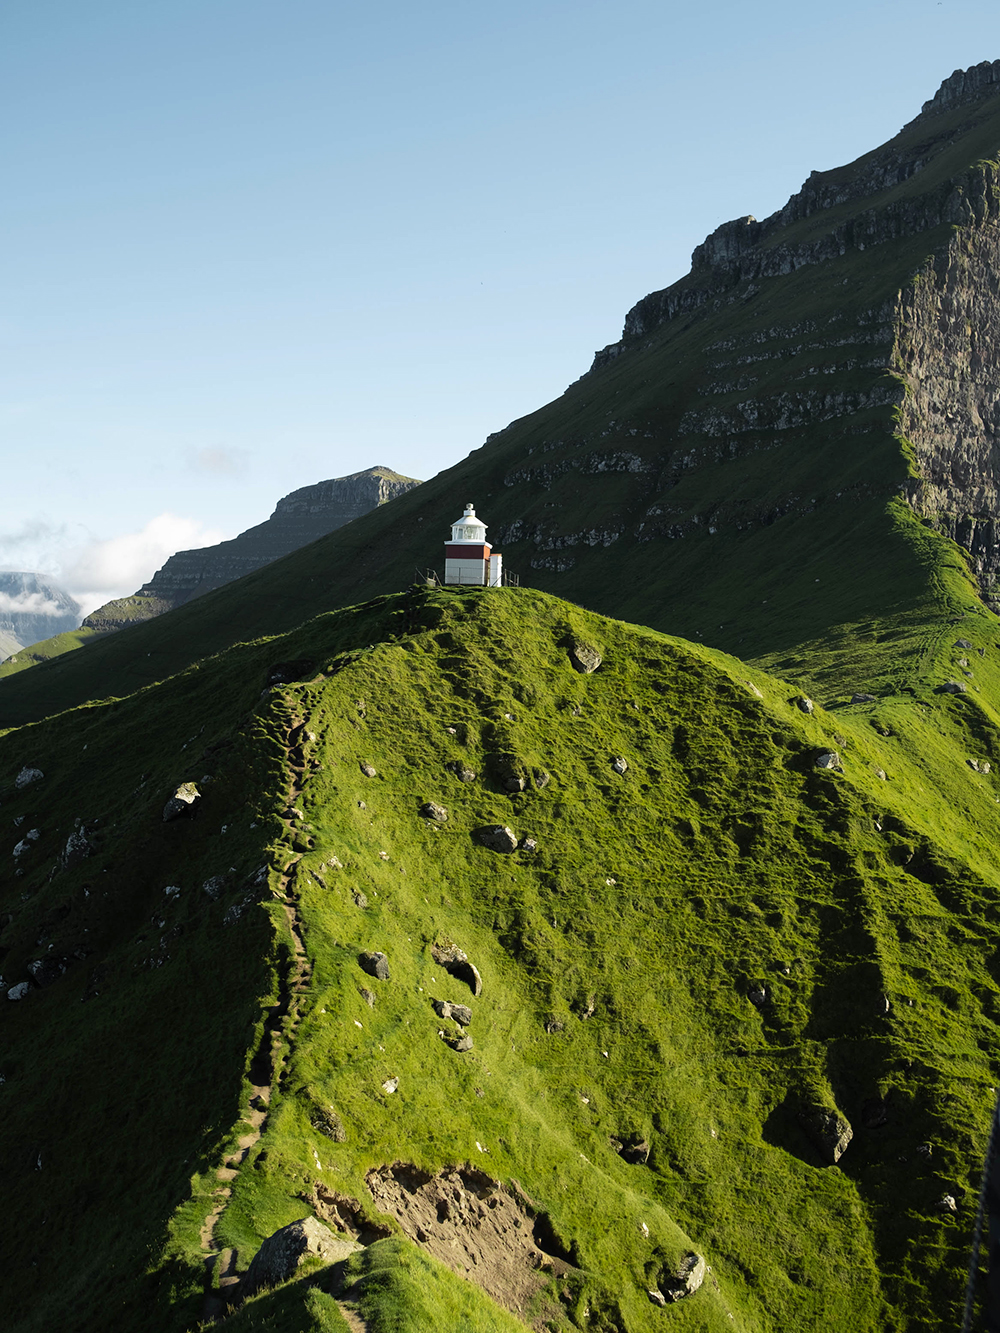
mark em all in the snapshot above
pixel 468 557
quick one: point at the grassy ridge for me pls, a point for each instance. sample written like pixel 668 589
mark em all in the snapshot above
pixel 656 901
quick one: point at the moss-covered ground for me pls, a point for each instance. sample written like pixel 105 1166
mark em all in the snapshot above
pixel 658 901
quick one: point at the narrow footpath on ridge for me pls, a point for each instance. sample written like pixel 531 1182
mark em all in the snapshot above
pixel 266 1069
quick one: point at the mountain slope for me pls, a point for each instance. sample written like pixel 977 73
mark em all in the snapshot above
pixel 701 955
pixel 779 457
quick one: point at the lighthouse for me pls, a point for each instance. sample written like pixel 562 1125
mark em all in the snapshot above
pixel 468 557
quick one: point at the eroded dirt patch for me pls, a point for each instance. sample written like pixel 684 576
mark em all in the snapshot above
pixel 474 1224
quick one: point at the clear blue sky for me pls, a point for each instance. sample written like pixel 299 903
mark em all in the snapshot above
pixel 248 246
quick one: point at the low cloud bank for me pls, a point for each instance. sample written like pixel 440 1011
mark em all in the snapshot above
pixel 95 570
pixel 30 603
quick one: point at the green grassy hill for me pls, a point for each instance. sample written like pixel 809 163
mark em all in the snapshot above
pixel 699 954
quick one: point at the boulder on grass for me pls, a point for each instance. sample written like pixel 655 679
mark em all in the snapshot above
pixel 184 803
pixel 283 1253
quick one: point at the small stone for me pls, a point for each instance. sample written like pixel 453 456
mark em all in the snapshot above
pixel 528 845
pixel 634 1149
pixel 368 770
pixel 984 766
pixel 973 764
pixel 183 804
pixel 830 1132
pixel 375 964
pixel 390 1085
pixel 862 698
pixel 19 991
pixel 27 776
pixel 925 1149
pixel 757 994
pixel 829 759
pixel 584 658
pixel 212 888
pixel 804 704
pixel 963 661
pixel 44 971
pixel 961 643
pixel 880 774
pixel 78 848
pixel 462 1044
pixel 172 891
pixel 553 1025
pixel 619 764
pixel 498 838
pixel 461 1013
pixel 947 1204
pixel 456 962
pixel 514 783
pixel 541 778
pixel 360 900
pixel 461 771
pixel 368 996
pixel 431 810
pixel 953 687
pixel 686 1279
pixel 657 1297
pixel 327 1122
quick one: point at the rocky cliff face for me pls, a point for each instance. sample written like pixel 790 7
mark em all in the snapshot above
pixel 298 518
pixel 948 350
pixel 33 608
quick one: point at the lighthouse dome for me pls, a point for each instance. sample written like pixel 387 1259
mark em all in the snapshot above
pixel 468 528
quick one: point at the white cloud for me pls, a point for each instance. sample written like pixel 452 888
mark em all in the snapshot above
pixel 30 603
pixel 117 566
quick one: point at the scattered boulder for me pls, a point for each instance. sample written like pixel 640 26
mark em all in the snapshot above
pixel 30 837
pixel 619 764
pixel 757 994
pixel 953 687
pixel 212 888
pixel 360 899
pixel 455 961
pixel 43 971
pixel 27 776
pixel 78 848
pixel 461 771
pixel 498 838
pixel 390 1085
pixel 513 783
pixel 431 810
pixel 829 1131
pixel 947 1204
pixel 862 698
pixel 684 1281
pixel 461 1013
pixel 461 1044
pixel 880 774
pixel 553 1025
pixel 961 643
pixel 541 778
pixel 375 964
pixel 804 704
pixel 19 991
pixel 283 1253
pixel 829 759
pixel 973 764
pixel 183 804
pixel 633 1149
pixel 584 658
pixel 327 1122
pixel 368 996
pixel 528 844
pixel 369 770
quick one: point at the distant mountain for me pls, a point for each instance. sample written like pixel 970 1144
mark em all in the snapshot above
pixel 32 608
pixel 298 519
